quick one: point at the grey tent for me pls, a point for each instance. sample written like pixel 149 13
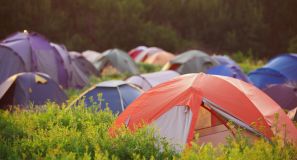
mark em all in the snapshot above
pixel 76 76
pixel 10 63
pixel 93 57
pixel 149 80
pixel 119 60
pixel 84 65
pixel 192 61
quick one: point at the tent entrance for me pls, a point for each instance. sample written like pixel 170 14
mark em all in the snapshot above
pixel 8 97
pixel 212 125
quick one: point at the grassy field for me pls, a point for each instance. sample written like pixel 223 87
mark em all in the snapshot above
pixel 60 132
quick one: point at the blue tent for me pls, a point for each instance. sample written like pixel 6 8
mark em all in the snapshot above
pixel 115 94
pixel 228 70
pixel 263 77
pixel 25 88
pixel 286 64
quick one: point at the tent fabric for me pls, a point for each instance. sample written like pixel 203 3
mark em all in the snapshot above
pixel 149 80
pixel 192 61
pixel 119 60
pixel 283 94
pixel 141 57
pixel 134 53
pixel 228 70
pixel 10 63
pixel 77 77
pixel 230 95
pixel 159 58
pixel 285 64
pixel 292 114
pixel 93 57
pixel 263 77
pixel 224 60
pixel 175 129
pixel 25 88
pixel 82 64
pixel 38 55
pixel 116 95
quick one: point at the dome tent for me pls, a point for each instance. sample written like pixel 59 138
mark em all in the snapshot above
pixel 146 52
pixel 283 94
pixel 93 57
pixel 280 69
pixel 117 95
pixel 194 103
pixel 159 58
pixel 77 78
pixel 229 71
pixel 119 60
pixel 25 88
pixel 263 77
pixel 134 53
pixel 285 64
pixel 149 80
pixel 82 64
pixel 224 60
pixel 38 55
pixel 10 63
pixel 193 61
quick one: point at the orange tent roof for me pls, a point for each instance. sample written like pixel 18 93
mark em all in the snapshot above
pixel 159 58
pixel 234 97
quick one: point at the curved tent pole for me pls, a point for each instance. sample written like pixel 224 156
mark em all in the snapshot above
pixel 121 98
pixel 145 80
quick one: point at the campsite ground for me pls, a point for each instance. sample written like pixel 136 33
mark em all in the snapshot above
pixel 58 132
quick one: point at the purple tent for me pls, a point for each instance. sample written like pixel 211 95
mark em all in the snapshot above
pixel 149 80
pixel 10 63
pixel 38 55
pixel 284 94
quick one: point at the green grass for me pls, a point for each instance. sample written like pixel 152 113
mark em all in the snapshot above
pixel 56 132
pixel 73 133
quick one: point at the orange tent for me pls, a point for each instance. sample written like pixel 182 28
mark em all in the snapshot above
pixel 203 103
pixel 159 58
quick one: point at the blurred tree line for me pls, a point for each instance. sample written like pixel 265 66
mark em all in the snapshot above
pixel 262 26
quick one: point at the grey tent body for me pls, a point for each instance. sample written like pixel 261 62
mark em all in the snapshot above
pixel 77 78
pixel 119 60
pixel 10 63
pixel 149 80
pixel 93 57
pixel 192 61
pixel 84 65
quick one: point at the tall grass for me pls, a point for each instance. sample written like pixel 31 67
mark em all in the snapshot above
pixel 73 133
pixel 57 132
